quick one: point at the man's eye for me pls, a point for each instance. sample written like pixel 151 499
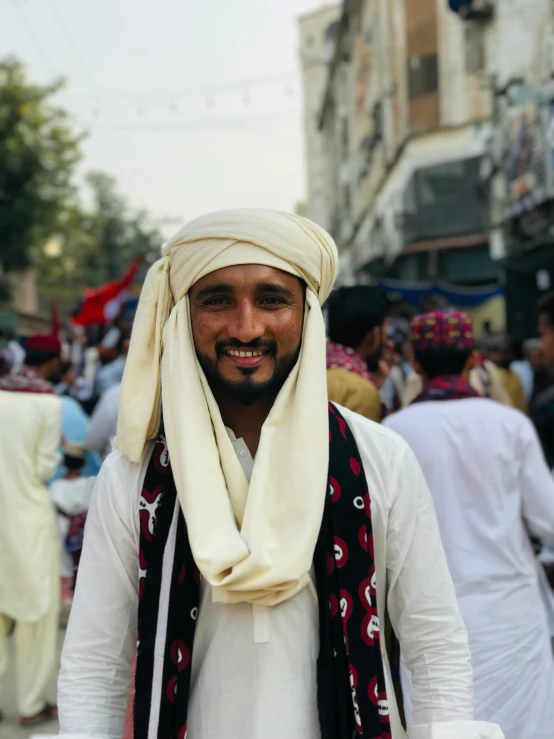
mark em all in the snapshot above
pixel 216 301
pixel 272 300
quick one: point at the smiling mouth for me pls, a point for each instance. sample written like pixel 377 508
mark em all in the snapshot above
pixel 246 357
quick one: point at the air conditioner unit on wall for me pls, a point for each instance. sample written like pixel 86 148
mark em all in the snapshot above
pixel 473 10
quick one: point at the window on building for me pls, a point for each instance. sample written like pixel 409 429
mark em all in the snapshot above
pixel 466 265
pixel 330 40
pixel 412 267
pixel 423 75
pixel 441 184
pixel 474 48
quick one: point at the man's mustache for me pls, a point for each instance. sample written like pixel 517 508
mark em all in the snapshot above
pixel 256 345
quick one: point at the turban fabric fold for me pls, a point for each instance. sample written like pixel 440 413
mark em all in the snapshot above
pixel 253 542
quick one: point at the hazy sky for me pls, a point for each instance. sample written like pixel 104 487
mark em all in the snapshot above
pixel 160 87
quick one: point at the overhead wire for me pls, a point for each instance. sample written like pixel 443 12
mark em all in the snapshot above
pixel 232 122
pixel 34 38
pixel 242 84
pixel 65 32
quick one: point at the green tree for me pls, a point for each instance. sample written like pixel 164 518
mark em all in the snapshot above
pixel 95 246
pixel 122 233
pixel 38 154
pixel 42 221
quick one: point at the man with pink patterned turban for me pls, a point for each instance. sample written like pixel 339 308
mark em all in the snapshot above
pixel 492 490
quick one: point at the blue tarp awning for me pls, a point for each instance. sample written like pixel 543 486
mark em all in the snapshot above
pixel 460 297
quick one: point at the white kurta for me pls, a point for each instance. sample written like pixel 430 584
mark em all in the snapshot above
pixel 491 488
pixel 254 669
pixel 30 434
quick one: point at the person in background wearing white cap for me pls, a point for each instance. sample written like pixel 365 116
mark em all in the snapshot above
pixel 255 537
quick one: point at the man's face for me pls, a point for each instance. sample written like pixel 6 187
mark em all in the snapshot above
pixel 546 332
pixel 53 370
pixel 377 347
pixel 496 357
pixel 247 326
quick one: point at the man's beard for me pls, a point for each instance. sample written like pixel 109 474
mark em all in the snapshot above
pixel 247 391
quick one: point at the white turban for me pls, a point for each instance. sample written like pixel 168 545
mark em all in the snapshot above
pixel 252 542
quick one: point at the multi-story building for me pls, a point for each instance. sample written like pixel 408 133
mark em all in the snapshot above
pixel 521 162
pixel 318 31
pixel 407 116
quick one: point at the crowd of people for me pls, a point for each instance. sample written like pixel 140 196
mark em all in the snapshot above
pixel 51 387
pixel 381 562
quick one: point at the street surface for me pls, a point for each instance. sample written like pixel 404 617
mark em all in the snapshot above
pixel 9 727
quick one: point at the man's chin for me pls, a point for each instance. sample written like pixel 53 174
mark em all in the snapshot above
pixel 245 391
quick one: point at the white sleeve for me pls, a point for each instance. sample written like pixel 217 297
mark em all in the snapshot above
pixel 424 613
pixel 537 486
pixel 93 686
pixel 102 426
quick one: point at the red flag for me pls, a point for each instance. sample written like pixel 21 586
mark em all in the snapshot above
pixel 104 303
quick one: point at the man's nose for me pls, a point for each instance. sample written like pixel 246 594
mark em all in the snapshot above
pixel 245 325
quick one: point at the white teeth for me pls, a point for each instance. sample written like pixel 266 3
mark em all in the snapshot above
pixel 236 353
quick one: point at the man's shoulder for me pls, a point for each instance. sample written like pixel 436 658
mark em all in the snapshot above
pixel 118 486
pixel 478 412
pixel 372 436
pixel 116 465
pixel 348 376
pixel 348 389
pixel 46 401
pixel 116 461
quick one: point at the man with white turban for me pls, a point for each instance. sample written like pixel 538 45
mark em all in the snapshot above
pixel 255 539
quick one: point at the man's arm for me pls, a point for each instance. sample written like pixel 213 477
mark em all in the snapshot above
pixel 48 451
pixel 425 615
pixel 94 680
pixel 537 486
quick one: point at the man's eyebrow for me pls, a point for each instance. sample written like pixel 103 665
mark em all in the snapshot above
pixel 276 289
pixel 216 289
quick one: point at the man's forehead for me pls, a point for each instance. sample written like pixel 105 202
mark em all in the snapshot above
pixel 246 275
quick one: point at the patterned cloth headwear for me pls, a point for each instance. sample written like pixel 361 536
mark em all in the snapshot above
pixel 446 329
pixel 253 542
pixel 74 449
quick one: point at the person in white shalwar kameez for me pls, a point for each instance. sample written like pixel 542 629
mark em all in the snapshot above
pixel 247 439
pixel 30 435
pixel 492 491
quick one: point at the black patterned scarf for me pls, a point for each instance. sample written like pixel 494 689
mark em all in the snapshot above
pixel 352 698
